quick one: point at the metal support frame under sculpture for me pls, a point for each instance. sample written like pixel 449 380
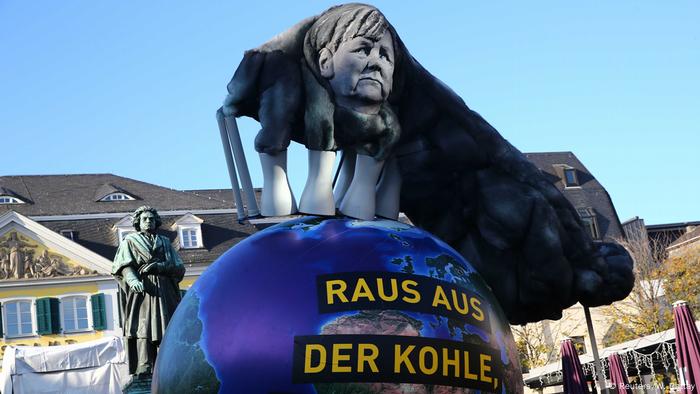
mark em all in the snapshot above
pixel 344 80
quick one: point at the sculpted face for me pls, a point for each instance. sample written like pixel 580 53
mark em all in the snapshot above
pixel 360 72
pixel 147 222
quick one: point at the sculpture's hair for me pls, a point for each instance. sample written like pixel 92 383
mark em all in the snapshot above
pixel 136 218
pixel 337 25
pixel 345 22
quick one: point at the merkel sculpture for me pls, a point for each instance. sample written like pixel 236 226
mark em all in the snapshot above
pixel 148 271
pixel 359 302
pixel 344 80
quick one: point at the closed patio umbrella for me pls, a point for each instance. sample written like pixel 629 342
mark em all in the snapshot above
pixel 618 377
pixel 687 347
pixel 574 380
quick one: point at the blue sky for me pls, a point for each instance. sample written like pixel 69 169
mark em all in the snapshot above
pixel 131 87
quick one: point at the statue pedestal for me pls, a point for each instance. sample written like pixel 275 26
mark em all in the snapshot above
pixel 139 385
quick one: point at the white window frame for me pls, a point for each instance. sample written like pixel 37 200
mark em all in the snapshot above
pixel 5 320
pixel 68 234
pixel 5 199
pixel 88 310
pixel 111 197
pixel 574 174
pixel 181 235
pixel 589 218
pixel 189 222
pixel 123 227
pixel 579 343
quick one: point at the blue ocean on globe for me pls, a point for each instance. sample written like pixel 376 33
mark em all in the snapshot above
pixel 242 326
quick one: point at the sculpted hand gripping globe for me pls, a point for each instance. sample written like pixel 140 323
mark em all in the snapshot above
pixel 319 305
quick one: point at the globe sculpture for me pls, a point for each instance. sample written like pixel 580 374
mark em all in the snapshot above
pixel 330 305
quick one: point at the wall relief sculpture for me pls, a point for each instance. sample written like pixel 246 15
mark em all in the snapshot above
pixel 23 258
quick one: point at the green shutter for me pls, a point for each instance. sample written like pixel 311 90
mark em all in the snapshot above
pixel 55 305
pixel 42 327
pixel 48 316
pixel 99 315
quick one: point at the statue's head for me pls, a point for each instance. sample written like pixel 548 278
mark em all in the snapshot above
pixel 146 219
pixel 356 55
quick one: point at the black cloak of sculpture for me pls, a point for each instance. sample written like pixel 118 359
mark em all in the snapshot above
pixel 462 180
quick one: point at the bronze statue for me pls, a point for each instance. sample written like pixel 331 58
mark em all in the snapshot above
pixel 344 80
pixel 148 270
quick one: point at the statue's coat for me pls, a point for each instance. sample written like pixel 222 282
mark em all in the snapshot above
pixel 146 314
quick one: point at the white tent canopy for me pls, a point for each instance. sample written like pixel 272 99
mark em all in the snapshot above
pixel 646 342
pixel 89 367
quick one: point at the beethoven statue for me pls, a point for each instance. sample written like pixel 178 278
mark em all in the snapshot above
pixel 344 80
pixel 148 270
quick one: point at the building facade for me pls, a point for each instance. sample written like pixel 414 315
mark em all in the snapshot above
pixel 595 208
pixel 688 242
pixel 590 199
pixel 59 234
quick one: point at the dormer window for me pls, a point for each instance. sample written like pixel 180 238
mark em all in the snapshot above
pixel 110 193
pixel 570 177
pixel 123 228
pixel 117 197
pixel 189 231
pixel 8 196
pixel 588 217
pixel 190 238
pixel 10 200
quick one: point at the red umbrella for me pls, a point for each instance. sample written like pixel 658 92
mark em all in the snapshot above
pixel 618 377
pixel 574 380
pixel 687 347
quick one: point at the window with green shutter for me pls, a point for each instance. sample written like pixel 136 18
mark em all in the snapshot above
pixel 99 314
pixel 48 316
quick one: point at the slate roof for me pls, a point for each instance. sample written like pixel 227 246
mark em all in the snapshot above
pixel 61 195
pixel 589 194
pixel 4 191
pixel 219 233
pixel 682 226
pixel 689 237
pixel 223 195
pixel 666 234
pixel 52 195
